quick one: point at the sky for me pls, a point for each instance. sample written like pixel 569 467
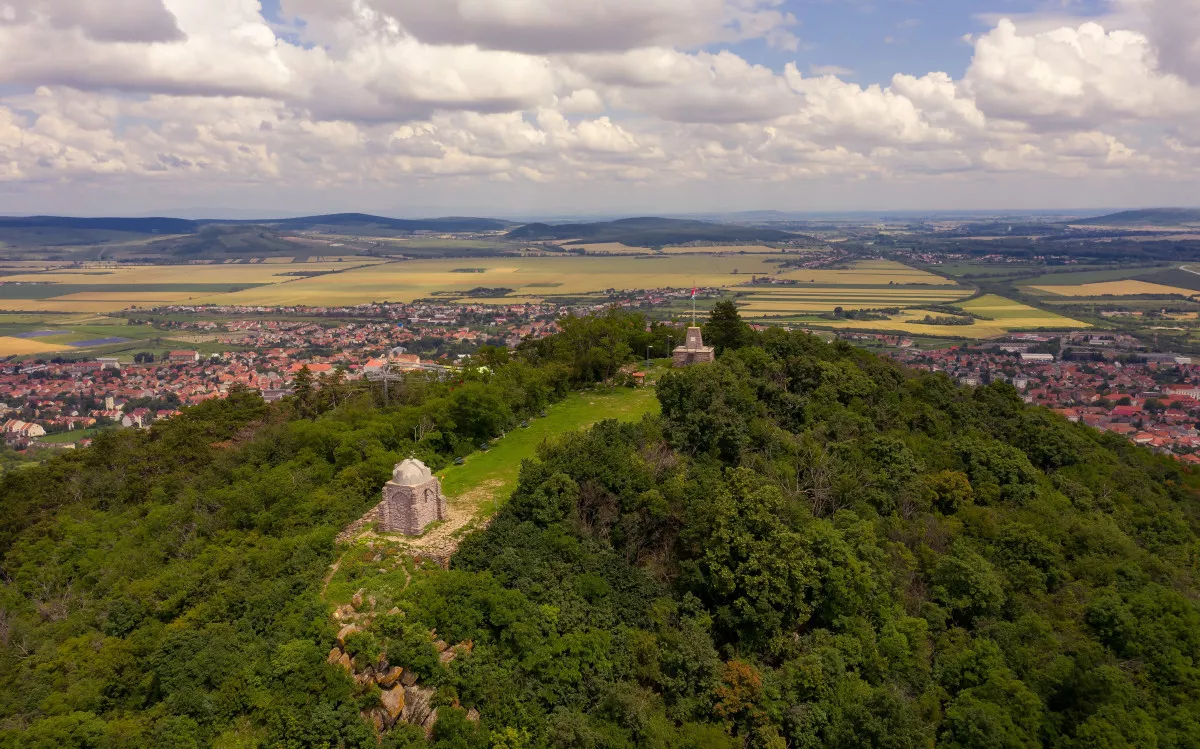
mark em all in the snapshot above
pixel 577 107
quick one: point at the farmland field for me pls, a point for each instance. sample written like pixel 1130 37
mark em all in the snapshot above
pixel 869 273
pixel 1015 316
pixel 1007 316
pixel 1114 288
pixel 111 288
pixel 417 279
pixel 10 346
pixel 1093 275
pixel 616 248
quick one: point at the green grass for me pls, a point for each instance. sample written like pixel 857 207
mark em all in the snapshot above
pixel 383 569
pixel 64 438
pixel 502 462
pixel 1079 278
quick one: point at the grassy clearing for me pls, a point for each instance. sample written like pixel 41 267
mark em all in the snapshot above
pixel 499 466
pixel 1114 288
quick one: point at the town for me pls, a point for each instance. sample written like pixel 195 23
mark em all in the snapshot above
pixel 1105 381
pixel 59 403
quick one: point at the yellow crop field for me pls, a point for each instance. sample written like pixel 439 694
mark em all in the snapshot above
pixel 10 346
pixel 1007 316
pixel 770 306
pixel 608 248
pixel 1115 288
pixel 1014 315
pixel 616 248
pixel 178 274
pixel 531 279
pixel 532 276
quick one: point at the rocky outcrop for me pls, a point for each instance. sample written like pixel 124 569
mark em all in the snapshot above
pixel 418 708
pixel 401 699
pixel 391 677
pixel 394 703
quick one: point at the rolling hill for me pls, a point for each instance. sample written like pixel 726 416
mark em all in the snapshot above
pixel 65 230
pixel 361 222
pixel 649 232
pixel 1146 217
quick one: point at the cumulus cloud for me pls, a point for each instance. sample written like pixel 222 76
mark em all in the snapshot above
pixel 566 26
pixel 1174 29
pixel 1070 76
pixel 109 21
pixel 382 92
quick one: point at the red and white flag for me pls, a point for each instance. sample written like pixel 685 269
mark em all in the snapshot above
pixel 693 292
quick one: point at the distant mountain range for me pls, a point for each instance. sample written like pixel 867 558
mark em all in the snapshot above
pixel 189 226
pixel 60 237
pixel 648 232
pixel 1146 217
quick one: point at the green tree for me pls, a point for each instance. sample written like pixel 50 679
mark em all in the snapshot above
pixel 725 329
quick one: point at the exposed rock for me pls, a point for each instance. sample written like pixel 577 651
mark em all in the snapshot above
pixel 345 632
pixel 365 678
pixel 344 612
pixel 357 599
pixel 418 707
pixel 394 702
pixel 473 715
pixel 429 723
pixel 395 611
pixel 378 719
pixel 377 558
pixel 440 646
pixel 447 656
pixel 408 679
pixel 334 655
pixel 345 662
pixel 390 677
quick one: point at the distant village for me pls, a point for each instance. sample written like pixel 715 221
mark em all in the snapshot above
pixel 1104 381
pixel 46 403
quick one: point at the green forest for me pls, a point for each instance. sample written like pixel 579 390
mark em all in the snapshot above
pixel 809 547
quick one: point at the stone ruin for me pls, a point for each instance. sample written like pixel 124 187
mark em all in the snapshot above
pixel 693 350
pixel 411 500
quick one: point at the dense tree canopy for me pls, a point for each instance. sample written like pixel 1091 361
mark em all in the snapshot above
pixel 810 547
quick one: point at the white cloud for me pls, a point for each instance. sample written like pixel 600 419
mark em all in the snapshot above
pixel 1073 77
pixel 1174 29
pixel 108 21
pixel 206 95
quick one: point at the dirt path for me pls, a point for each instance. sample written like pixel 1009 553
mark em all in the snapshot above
pixel 441 540
pixel 487 477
